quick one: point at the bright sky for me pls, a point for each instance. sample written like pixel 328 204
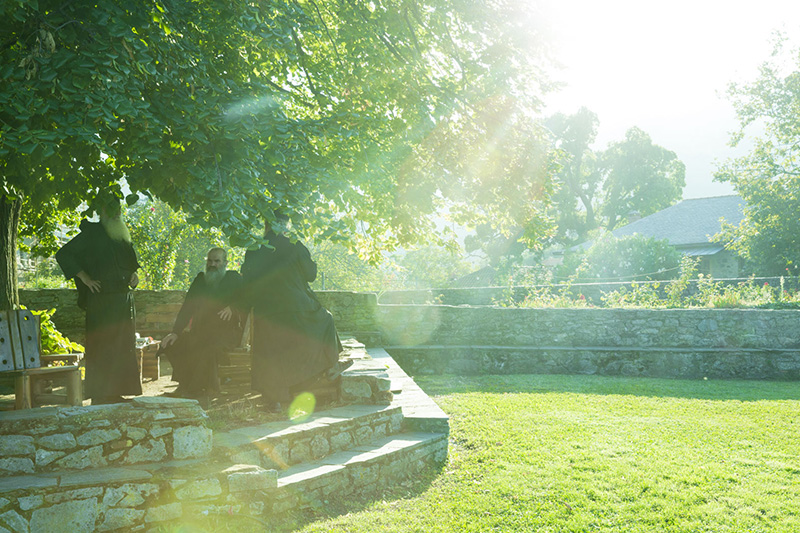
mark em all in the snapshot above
pixel 664 67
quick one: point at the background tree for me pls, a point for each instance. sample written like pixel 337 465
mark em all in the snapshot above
pixel 331 112
pixel 639 177
pixel 175 250
pixel 629 258
pixel 768 177
pixel 578 181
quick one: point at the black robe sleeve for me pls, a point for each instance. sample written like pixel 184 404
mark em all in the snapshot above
pixel 190 304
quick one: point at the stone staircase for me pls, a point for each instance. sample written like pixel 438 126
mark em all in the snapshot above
pixel 153 462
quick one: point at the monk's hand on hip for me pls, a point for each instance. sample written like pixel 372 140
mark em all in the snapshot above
pixel 225 314
pixel 93 285
pixel 134 280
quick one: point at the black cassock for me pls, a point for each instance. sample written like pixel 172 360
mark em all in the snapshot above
pixel 196 353
pixel 111 365
pixel 294 337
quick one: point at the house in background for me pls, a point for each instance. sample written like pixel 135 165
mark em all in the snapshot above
pixel 688 226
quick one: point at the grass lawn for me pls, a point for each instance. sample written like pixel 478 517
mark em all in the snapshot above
pixel 580 453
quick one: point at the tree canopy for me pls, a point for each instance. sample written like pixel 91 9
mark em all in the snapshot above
pixel 576 198
pixel 640 177
pixel 357 119
pixel 768 177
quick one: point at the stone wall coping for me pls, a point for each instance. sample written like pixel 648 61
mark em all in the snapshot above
pixel 564 310
pixel 668 349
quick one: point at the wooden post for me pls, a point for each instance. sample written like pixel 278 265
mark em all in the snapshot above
pixel 24 396
pixel 75 387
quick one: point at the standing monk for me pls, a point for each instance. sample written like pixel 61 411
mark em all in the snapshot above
pixel 103 263
pixel 215 324
pixel 294 337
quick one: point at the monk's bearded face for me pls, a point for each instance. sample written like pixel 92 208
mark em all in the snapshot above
pixel 115 228
pixel 214 274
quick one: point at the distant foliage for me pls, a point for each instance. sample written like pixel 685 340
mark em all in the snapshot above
pixel 632 257
pixel 767 177
pixel 53 341
pixel 170 249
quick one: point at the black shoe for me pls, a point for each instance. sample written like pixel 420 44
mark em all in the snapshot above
pixel 336 370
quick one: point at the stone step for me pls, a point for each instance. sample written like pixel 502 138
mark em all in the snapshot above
pixel 392 452
pixel 283 444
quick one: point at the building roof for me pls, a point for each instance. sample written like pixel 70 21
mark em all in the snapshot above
pixel 688 222
pixel 483 277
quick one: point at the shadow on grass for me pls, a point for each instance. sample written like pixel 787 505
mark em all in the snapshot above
pixel 741 390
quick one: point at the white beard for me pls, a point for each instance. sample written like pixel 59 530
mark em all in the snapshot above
pixel 213 277
pixel 116 229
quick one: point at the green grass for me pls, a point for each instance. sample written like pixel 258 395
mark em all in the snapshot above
pixel 581 454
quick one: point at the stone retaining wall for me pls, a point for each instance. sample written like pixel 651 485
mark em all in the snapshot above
pixel 34 441
pixel 690 343
pixel 411 325
pixel 156 310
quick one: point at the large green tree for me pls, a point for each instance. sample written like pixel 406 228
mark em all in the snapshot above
pixel 357 118
pixel 578 181
pixel 639 177
pixel 768 177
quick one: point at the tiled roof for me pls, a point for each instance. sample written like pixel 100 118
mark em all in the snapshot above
pixel 688 222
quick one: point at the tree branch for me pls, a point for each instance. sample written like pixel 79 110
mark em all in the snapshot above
pixel 327 31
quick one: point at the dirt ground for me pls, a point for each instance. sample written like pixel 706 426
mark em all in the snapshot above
pixel 235 406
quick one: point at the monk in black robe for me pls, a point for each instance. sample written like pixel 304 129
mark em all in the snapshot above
pixel 215 328
pixel 103 263
pixel 294 337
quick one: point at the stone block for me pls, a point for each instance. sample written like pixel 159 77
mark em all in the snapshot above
pixel 16 445
pixel 16 465
pixel 83 459
pixel 4 502
pixel 28 503
pixel 59 441
pixel 363 434
pixel 45 457
pixel 191 441
pixel 170 511
pixel 98 436
pixel 14 521
pixel 341 441
pixel 160 431
pixel 136 434
pixel 149 451
pixel 248 478
pixel 320 447
pixel 121 519
pixel 129 494
pixel 300 453
pixel 75 516
pixel 355 390
pixel 70 495
pixel 201 488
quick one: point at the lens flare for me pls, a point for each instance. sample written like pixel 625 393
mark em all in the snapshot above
pixel 302 407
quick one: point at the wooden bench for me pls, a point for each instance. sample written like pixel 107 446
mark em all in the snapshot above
pixel 20 358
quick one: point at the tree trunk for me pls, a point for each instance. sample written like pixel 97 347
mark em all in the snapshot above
pixel 9 226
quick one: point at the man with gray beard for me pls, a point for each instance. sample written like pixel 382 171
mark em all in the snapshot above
pixel 215 327
pixel 103 263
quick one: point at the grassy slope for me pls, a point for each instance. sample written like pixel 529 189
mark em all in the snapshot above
pixel 570 453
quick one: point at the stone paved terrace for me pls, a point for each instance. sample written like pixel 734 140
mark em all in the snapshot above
pixel 154 462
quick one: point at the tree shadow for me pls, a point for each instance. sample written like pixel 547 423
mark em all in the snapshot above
pixel 705 389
